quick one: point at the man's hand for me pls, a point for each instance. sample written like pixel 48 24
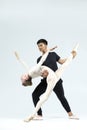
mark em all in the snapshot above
pixel 51 49
pixel 26 80
pixel 44 73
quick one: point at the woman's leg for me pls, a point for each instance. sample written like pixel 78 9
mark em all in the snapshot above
pixel 44 97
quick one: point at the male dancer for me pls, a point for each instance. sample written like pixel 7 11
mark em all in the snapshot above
pixel 52 79
pixel 46 72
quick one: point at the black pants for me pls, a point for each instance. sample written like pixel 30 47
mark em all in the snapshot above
pixel 58 89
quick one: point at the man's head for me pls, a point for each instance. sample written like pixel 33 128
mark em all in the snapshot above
pixel 42 45
pixel 44 41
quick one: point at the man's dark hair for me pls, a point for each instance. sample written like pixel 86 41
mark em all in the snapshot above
pixel 42 41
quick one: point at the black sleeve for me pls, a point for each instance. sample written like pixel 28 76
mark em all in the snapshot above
pixel 57 56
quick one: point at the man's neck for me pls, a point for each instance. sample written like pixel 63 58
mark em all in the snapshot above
pixel 44 51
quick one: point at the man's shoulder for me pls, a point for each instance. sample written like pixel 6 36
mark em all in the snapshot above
pixel 53 53
pixel 38 59
pixel 50 55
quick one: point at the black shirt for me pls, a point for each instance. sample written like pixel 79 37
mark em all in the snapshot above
pixel 51 60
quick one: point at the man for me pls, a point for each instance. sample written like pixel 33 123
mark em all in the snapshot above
pixel 51 62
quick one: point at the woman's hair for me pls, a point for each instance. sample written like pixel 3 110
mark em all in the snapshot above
pixel 27 82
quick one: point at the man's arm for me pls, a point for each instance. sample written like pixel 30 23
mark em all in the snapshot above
pixel 61 61
pixel 74 53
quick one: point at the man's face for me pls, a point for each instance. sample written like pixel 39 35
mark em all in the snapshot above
pixel 42 47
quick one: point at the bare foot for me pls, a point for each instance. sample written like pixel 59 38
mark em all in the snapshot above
pixel 74 53
pixel 29 118
pixel 38 117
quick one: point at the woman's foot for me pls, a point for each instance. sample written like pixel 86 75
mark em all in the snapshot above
pixel 29 118
pixel 38 117
pixel 33 117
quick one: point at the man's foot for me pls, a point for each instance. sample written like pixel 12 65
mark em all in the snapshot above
pixel 73 117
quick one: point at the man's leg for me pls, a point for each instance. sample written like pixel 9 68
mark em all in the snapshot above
pixel 59 91
pixel 39 90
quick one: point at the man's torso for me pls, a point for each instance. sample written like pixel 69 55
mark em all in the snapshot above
pixel 51 61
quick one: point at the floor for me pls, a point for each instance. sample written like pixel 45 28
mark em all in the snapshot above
pixel 47 123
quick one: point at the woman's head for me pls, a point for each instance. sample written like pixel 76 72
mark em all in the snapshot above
pixel 26 80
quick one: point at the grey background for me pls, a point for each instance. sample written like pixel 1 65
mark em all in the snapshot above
pixel 22 23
